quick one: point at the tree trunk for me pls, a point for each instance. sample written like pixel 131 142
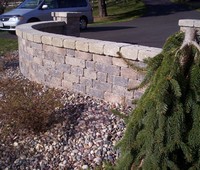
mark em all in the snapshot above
pixel 102 8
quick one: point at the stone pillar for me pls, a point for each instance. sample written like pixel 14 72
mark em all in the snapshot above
pixel 186 24
pixel 189 23
pixel 72 20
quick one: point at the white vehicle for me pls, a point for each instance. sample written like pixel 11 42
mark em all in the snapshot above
pixel 40 10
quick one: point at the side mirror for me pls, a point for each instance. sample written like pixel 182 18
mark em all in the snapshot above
pixel 44 6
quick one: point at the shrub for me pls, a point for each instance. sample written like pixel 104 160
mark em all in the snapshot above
pixel 163 130
pixel 25 104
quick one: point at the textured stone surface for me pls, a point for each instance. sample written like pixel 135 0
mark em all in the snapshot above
pixel 91 67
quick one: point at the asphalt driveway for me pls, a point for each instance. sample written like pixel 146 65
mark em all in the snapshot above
pixel 159 22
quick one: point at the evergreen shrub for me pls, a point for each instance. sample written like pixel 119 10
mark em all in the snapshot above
pixel 163 131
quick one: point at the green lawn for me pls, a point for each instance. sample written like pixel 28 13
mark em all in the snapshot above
pixel 118 10
pixel 195 5
pixel 7 45
pixel 121 10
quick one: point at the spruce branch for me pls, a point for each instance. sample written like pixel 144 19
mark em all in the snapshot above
pixel 163 130
pixel 132 65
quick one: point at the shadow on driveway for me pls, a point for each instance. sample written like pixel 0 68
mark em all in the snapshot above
pixel 163 7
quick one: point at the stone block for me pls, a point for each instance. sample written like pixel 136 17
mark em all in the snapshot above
pixel 80 88
pixel 37 38
pixel 91 74
pixel 47 47
pixel 70 52
pixel 57 41
pixel 95 93
pixel 133 83
pixel 65 68
pixel 75 62
pixel 112 70
pixel 186 22
pixel 82 44
pixel 72 78
pixel 129 73
pixel 38 61
pixel 114 98
pixel 30 51
pixel 83 55
pixel 90 65
pixel 59 50
pixel 120 81
pixel 69 42
pixel 56 73
pixel 103 86
pixel 86 82
pixel 49 64
pixel 119 62
pixel 119 90
pixel 102 77
pixel 112 48
pixel 30 36
pixel 102 59
pixel 47 39
pixel 55 82
pixel 77 71
pixel 67 85
pixel 37 46
pixel 130 52
pixel 96 46
pixel 59 58
pixel 148 53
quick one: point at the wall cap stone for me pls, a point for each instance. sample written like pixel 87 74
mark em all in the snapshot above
pixel 129 51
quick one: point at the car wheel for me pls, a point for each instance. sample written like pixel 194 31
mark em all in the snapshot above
pixel 83 23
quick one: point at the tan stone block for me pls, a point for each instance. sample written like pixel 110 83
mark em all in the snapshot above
pixel 82 44
pixel 91 74
pixel 47 39
pixel 145 53
pixel 72 78
pixel 75 61
pixel 102 59
pixel 29 36
pixel 119 62
pixel 38 60
pixel 130 52
pixel 83 55
pixel 69 42
pixel 96 46
pixel 129 73
pixel 57 41
pixel 67 85
pixel 114 98
pixel 112 48
pixel 186 22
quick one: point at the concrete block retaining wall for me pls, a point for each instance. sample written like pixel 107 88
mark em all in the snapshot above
pixel 91 67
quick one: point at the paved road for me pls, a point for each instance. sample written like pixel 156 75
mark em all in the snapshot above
pixel 159 22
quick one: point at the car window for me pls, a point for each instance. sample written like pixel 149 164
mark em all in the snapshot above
pixel 72 3
pixel 51 4
pixel 30 4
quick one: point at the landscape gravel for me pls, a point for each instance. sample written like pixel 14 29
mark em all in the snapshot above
pixel 84 138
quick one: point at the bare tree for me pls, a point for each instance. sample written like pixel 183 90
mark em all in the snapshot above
pixel 3 5
pixel 102 8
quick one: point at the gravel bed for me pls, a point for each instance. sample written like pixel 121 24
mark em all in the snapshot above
pixel 84 138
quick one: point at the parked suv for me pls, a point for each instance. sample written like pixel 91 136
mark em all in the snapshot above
pixel 40 10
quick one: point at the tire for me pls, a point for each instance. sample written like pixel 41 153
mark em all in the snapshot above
pixel 83 23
